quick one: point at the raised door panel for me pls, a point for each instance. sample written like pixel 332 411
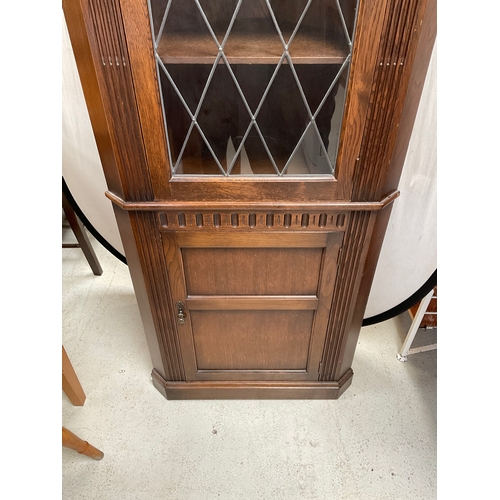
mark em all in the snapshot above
pixel 255 304
pixel 252 271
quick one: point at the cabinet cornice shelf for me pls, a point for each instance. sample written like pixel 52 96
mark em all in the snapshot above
pixel 259 45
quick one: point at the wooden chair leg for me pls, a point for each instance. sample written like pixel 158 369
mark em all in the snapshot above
pixel 70 383
pixel 70 440
pixel 81 236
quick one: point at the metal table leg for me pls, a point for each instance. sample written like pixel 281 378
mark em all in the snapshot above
pixel 405 350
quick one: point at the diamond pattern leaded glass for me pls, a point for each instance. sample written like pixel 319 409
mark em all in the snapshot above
pixel 253 87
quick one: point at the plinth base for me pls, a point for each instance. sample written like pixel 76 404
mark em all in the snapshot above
pixel 252 390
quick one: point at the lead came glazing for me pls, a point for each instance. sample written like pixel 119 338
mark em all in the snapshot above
pixel 253 87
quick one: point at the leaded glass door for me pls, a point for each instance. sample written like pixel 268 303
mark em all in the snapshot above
pixel 253 89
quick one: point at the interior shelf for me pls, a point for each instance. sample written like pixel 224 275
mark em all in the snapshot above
pixel 256 44
pixel 262 167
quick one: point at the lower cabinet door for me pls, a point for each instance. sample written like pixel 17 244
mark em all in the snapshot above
pixel 252 306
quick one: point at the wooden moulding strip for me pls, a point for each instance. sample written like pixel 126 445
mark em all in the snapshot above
pixel 306 239
pixel 272 389
pixel 200 205
pixel 252 302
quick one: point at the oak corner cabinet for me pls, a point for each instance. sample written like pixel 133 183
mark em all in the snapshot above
pixel 252 151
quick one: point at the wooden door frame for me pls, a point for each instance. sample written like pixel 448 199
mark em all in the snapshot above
pixel 135 17
pixel 330 242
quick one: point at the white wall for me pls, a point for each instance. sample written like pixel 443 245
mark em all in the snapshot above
pixel 81 165
pixel 409 252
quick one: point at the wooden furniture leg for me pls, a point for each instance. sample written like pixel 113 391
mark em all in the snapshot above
pixel 70 383
pixel 81 236
pixel 70 440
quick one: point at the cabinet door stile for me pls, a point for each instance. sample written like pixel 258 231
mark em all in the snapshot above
pixel 174 265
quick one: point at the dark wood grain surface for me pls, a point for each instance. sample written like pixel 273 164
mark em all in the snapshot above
pixel 263 41
pixel 252 271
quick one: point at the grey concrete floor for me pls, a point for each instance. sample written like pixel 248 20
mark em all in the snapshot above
pixel 378 441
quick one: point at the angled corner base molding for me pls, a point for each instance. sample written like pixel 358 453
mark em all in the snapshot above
pixel 252 390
